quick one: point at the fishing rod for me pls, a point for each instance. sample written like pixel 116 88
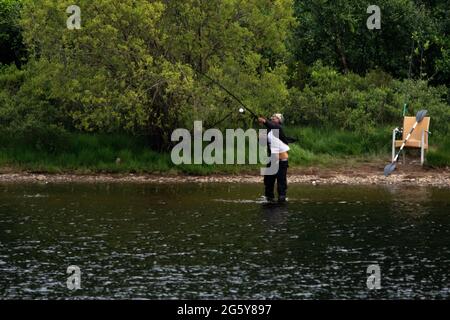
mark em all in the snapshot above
pixel 241 111
pixel 217 83
pixel 290 139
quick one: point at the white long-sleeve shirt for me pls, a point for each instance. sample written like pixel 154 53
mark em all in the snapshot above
pixel 276 145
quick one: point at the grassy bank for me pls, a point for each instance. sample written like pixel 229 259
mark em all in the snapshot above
pixel 90 153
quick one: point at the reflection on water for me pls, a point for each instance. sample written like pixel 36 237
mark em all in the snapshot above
pixel 410 201
pixel 220 241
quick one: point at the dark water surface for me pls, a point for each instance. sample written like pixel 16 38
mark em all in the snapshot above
pixel 217 241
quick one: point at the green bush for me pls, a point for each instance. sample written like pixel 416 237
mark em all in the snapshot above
pixel 28 111
pixel 422 96
pixel 439 154
pixel 361 104
pixel 11 43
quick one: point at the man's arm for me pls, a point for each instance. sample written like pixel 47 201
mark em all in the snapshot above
pixel 269 124
pixel 275 126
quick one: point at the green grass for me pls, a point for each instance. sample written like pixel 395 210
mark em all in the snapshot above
pixel 97 153
pixel 336 142
pixel 439 154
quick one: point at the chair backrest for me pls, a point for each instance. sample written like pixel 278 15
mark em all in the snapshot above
pixel 408 123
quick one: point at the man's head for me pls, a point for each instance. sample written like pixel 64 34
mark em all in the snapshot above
pixel 278 118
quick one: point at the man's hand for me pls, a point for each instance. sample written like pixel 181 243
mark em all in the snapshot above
pixel 261 120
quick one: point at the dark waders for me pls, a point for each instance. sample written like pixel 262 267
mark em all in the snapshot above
pixel 280 178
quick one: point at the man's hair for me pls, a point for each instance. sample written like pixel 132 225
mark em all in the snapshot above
pixel 279 116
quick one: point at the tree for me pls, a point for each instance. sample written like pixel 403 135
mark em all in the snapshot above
pixel 11 47
pixel 137 65
pixel 439 53
pixel 407 45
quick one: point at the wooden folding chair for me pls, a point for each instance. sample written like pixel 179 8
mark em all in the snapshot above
pixel 418 139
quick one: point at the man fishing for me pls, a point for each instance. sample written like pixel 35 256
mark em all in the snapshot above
pixel 278 144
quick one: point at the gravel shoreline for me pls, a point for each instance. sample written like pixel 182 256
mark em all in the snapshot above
pixel 325 177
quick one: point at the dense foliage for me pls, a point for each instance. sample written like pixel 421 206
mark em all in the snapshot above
pixel 136 66
pixel 413 41
pixel 11 46
pixel 361 103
